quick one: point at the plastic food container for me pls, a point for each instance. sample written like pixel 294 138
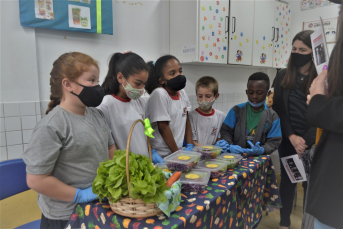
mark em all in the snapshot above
pixel 232 158
pixel 182 161
pixel 216 167
pixel 164 167
pixel 208 152
pixel 195 180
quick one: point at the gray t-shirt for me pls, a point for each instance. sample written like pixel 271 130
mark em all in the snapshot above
pixel 70 147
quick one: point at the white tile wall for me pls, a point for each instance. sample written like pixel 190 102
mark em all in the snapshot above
pixel 2 110
pixel 11 109
pixel 28 122
pixel 3 153
pixel 14 152
pixel 2 124
pixel 12 124
pixel 28 109
pixel 17 122
pixel 26 136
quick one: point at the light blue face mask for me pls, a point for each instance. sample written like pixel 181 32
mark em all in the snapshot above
pixel 257 104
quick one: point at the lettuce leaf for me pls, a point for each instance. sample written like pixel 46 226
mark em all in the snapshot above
pixel 147 182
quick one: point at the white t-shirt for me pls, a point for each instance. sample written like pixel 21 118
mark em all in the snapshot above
pixel 120 114
pixel 163 107
pixel 206 127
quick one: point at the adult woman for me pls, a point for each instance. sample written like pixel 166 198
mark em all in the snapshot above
pixel 325 200
pixel 291 87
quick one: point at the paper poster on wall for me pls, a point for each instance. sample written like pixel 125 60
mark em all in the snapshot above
pixel 312 4
pixel 79 17
pixel 330 28
pixel 82 1
pixel 44 9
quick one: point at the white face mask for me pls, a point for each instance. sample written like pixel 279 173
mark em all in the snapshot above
pixel 206 105
pixel 133 93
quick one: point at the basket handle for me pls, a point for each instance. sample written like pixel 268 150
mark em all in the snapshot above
pixel 128 150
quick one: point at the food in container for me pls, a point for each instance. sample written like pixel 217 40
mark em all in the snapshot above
pixel 208 152
pixel 164 167
pixel 232 158
pixel 216 167
pixel 182 161
pixel 84 21
pixel 195 180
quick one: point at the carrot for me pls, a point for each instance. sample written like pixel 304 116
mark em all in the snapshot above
pixel 231 213
pixel 173 179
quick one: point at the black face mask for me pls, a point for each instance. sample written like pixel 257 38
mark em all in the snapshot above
pixel 177 83
pixel 300 60
pixel 91 96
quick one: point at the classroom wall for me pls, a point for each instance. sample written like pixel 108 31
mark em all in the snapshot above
pixel 27 55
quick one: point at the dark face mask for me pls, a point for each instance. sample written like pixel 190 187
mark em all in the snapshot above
pixel 177 83
pixel 300 60
pixel 91 96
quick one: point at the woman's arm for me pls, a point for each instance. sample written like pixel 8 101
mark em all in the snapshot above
pixel 188 132
pixel 51 187
pixel 195 143
pixel 167 135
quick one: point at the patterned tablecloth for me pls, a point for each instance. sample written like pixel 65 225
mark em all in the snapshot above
pixel 234 200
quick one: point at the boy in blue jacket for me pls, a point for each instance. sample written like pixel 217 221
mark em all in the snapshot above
pixel 252 127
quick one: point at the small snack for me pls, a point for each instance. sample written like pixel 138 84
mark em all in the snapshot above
pixel 232 158
pixel 208 152
pixel 195 180
pixel 182 161
pixel 164 167
pixel 217 167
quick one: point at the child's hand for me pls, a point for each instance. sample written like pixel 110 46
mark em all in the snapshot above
pixel 236 149
pixel 156 158
pixel 189 147
pixel 84 195
pixel 223 144
pixel 255 149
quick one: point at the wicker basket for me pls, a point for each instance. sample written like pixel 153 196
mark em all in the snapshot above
pixel 134 208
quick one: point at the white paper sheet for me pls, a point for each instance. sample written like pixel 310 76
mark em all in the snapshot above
pixel 294 168
pixel 319 48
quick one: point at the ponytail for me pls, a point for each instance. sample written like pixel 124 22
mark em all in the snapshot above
pixel 71 66
pixel 156 72
pixel 127 64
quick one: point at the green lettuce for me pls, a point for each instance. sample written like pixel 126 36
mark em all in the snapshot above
pixel 147 182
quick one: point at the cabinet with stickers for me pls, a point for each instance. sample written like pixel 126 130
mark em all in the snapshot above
pixel 252 32
pixel 272 42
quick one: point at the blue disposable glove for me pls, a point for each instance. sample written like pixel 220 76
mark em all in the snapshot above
pixel 189 147
pixel 223 144
pixel 236 149
pixel 255 149
pixel 156 158
pixel 84 195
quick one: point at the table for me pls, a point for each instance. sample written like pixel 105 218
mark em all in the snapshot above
pixel 234 200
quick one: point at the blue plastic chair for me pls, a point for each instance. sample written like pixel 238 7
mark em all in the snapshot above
pixel 12 182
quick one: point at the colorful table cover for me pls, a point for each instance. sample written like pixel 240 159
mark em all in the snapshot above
pixel 234 200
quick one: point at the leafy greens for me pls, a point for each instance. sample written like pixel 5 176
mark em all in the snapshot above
pixel 147 182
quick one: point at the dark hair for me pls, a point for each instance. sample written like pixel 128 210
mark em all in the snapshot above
pixel 260 76
pixel 207 82
pixel 128 64
pixel 69 65
pixel 289 81
pixel 156 72
pixel 335 71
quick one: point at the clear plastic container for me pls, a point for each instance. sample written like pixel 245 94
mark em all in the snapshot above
pixel 195 180
pixel 208 152
pixel 164 167
pixel 182 161
pixel 232 158
pixel 216 167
